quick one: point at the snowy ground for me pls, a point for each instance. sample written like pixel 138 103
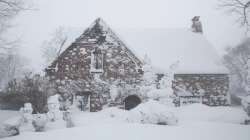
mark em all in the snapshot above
pixel 196 122
pixel 6 114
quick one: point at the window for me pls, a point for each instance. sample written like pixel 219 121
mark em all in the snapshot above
pixel 122 69
pixel 97 61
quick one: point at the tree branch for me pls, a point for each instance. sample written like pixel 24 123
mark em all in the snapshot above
pixel 240 8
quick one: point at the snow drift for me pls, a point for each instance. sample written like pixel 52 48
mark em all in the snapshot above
pixel 152 112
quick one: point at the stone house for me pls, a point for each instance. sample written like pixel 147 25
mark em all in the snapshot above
pixel 99 54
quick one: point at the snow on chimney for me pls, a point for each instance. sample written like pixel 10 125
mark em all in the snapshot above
pixel 197 26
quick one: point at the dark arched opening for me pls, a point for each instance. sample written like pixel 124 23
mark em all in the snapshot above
pixel 131 102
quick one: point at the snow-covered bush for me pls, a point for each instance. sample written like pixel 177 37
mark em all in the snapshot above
pixel 11 126
pixel 11 130
pixel 26 112
pixel 3 133
pixel 34 89
pixel 157 85
pixel 8 131
pixel 246 106
pixel 114 91
pixel 39 122
pixel 164 96
pixel 152 112
pixel 237 61
pixel 65 102
pixel 149 76
pixel 53 106
pixel 68 118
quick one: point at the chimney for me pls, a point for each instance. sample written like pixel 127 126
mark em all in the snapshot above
pixel 197 26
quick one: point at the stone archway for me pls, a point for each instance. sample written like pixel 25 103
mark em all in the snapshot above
pixel 131 102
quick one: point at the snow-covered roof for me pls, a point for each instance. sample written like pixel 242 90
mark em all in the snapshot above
pixel 189 52
pixel 165 47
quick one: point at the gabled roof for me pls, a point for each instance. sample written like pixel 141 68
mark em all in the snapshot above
pixel 99 28
pixel 165 47
pixel 99 33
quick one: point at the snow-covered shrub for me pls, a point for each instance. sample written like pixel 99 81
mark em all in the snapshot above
pixel 65 102
pixel 39 122
pixel 11 130
pixel 152 112
pixel 156 84
pixel 68 118
pixel 11 126
pixel 3 133
pixel 53 106
pixel 149 76
pixel 237 61
pixel 26 112
pixel 164 96
pixel 246 106
pixel 34 89
pixel 114 92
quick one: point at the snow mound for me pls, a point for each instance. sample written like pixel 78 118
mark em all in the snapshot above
pixel 152 112
pixel 13 121
pixel 203 113
pixel 10 127
pixel 116 113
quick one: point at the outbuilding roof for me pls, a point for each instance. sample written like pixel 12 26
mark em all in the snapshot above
pixel 192 52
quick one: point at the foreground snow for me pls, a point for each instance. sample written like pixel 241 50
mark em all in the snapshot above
pixel 195 131
pixel 196 122
pixel 6 114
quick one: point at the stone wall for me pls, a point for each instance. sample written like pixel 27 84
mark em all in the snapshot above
pixel 211 88
pixel 75 63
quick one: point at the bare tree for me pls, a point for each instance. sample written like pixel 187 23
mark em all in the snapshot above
pixel 12 66
pixel 53 47
pixel 8 10
pixel 237 61
pixel 10 61
pixel 240 8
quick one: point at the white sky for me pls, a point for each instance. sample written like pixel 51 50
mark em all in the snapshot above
pixel 33 27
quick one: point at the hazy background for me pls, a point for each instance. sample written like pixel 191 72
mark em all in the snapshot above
pixel 33 27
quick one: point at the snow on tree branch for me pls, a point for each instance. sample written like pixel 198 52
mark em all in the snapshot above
pixel 240 8
pixel 53 47
pixel 8 10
